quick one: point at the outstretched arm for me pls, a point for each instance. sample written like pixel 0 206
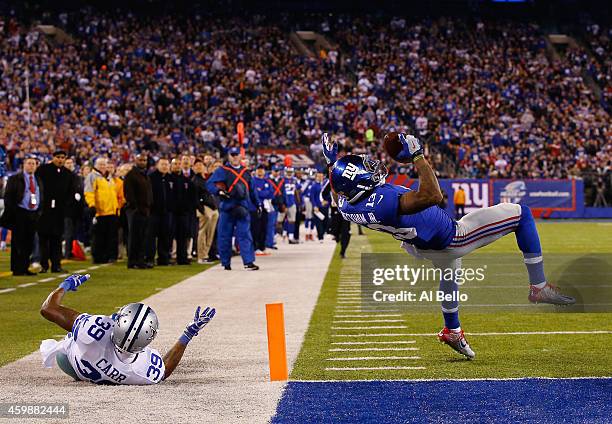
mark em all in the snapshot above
pixel 54 311
pixel 429 193
pixel 175 354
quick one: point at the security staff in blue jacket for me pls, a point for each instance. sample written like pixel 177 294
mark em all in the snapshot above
pixel 233 184
pixel 259 221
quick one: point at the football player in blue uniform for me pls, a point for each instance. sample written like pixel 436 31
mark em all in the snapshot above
pixel 427 231
pixel 305 188
pixel 292 200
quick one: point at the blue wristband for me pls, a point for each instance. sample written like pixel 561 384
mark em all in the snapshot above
pixel 184 339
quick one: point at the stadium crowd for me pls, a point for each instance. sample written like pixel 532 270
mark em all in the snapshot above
pixel 487 97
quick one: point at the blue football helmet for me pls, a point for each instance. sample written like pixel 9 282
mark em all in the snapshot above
pixel 353 176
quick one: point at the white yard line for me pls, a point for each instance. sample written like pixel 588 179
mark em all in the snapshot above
pixel 358 321
pixel 368 316
pixel 12 289
pixel 46 280
pixel 376 349
pixel 376 342
pixel 523 333
pixel 371 327
pixel 371 369
pixel 377 358
pixel 26 285
pixel 374 335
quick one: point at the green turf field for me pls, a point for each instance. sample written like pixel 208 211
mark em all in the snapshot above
pixel 21 326
pixel 571 249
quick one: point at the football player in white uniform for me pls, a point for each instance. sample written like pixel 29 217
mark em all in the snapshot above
pixel 112 349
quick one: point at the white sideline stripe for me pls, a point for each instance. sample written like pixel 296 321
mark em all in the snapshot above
pixel 375 342
pixel 375 335
pixel 359 321
pixel 521 305
pixel 512 333
pixel 376 358
pixel 78 271
pixel 365 369
pixel 522 287
pixel 425 380
pixel 368 316
pixel 366 310
pixel 46 280
pixel 26 285
pixel 94 267
pixel 7 290
pixel 64 275
pixel 371 327
pixel 377 349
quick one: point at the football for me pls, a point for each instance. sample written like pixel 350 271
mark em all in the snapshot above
pixel 393 146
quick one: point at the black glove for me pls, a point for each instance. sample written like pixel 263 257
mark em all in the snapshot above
pixel 223 195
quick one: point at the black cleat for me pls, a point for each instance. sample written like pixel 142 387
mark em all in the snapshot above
pixel 227 267
pixel 251 267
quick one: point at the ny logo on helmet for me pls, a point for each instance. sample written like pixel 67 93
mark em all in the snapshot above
pixel 350 171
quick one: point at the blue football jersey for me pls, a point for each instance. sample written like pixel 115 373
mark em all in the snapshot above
pixel 431 229
pixel 291 186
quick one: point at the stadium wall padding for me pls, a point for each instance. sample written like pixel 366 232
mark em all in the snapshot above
pixel 546 198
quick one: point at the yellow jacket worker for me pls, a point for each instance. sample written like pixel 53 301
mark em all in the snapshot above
pixel 459 201
pixel 101 197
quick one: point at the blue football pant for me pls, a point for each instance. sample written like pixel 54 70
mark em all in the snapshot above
pixel 227 227
pixel 271 228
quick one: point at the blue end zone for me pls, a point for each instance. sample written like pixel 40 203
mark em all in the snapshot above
pixel 533 400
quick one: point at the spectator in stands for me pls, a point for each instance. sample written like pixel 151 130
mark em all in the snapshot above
pixel 139 200
pixel 101 198
pixel 22 197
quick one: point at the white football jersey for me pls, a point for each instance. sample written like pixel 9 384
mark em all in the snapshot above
pixel 94 358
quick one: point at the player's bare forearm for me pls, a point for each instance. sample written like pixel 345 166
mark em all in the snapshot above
pixel 428 194
pixel 173 357
pixel 53 310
